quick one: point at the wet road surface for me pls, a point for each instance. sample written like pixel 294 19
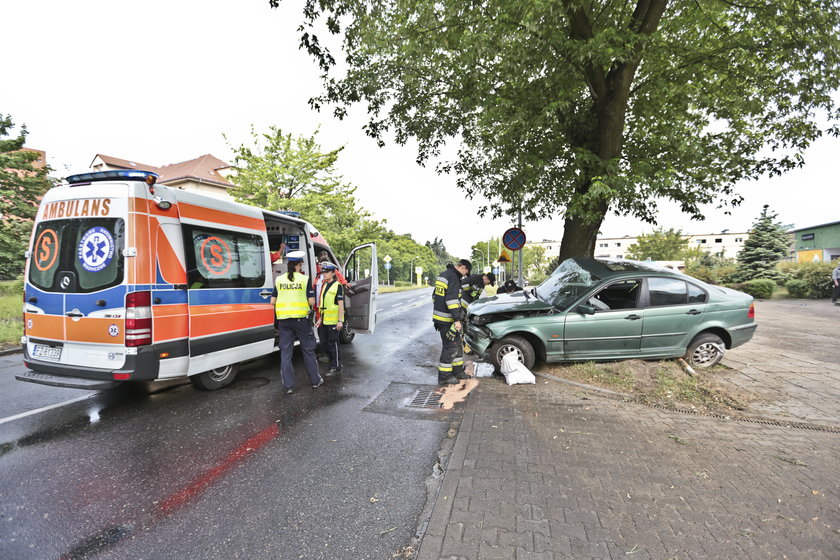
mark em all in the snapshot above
pixel 166 471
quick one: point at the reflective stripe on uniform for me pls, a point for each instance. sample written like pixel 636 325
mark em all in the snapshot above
pixel 329 308
pixel 443 319
pixel 291 302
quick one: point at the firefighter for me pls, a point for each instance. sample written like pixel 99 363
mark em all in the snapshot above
pixel 448 317
pixel 293 299
pixel 472 286
pixel 331 316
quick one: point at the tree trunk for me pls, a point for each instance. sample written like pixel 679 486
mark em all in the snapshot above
pixel 611 94
pixel 579 237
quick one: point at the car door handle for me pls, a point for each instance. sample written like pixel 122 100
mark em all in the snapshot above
pixel 633 317
pixel 265 293
pixel 75 314
pixel 693 312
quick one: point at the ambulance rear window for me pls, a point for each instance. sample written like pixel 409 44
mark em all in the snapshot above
pixel 78 255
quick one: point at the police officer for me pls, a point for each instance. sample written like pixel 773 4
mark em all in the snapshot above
pixel 293 299
pixel 331 316
pixel 448 316
pixel 472 286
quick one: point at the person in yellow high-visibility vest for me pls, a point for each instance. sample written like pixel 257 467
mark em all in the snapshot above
pixel 293 298
pixel 331 316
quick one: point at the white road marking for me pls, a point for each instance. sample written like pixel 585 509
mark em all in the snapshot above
pixel 44 409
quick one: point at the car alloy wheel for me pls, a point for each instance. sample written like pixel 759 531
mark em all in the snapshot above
pixel 705 351
pixel 517 345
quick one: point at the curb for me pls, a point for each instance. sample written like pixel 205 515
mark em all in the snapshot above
pixel 432 543
pixel 592 388
pixel 7 351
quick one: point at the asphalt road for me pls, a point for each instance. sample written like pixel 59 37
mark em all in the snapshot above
pixel 245 472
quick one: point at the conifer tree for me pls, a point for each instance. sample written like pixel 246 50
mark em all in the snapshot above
pixel 766 246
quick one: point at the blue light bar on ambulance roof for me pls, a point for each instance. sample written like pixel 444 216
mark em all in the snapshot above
pixel 86 178
pixel 291 213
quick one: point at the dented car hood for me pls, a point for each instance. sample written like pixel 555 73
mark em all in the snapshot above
pixel 508 303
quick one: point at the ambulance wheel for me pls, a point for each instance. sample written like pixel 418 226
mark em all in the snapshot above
pixel 215 378
pixel 346 334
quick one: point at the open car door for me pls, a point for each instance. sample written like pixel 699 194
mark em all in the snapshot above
pixel 362 272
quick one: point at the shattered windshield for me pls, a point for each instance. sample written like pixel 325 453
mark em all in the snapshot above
pixel 566 284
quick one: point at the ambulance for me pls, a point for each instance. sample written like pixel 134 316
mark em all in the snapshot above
pixel 129 281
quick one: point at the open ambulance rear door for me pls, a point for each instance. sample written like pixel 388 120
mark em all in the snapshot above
pixel 362 272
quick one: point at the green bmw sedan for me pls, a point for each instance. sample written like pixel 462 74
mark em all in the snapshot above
pixel 596 309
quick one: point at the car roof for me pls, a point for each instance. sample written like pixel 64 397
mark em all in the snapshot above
pixel 605 268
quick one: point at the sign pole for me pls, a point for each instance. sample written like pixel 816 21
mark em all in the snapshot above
pixel 521 281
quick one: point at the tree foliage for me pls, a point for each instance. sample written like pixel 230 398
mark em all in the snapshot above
pixel 406 255
pixel 485 253
pixel 21 184
pixel 766 246
pixel 660 245
pixel 281 172
pixel 579 108
pixel 441 254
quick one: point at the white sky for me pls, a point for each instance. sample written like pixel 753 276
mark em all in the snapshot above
pixel 160 82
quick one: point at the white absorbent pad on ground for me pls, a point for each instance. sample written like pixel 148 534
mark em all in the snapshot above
pixel 482 369
pixel 515 371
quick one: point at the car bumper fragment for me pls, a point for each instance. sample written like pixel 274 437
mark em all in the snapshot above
pixel 478 339
pixel 742 333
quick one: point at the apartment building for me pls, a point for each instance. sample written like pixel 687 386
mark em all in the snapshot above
pixel 724 243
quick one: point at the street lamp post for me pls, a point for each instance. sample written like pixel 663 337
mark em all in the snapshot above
pixel 411 270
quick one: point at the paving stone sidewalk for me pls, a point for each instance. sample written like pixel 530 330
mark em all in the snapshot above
pixel 540 472
pixel 547 471
pixel 792 365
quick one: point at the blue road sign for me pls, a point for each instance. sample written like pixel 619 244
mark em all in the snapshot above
pixel 387 266
pixel 514 239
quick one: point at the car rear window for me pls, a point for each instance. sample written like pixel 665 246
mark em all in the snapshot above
pixel 667 291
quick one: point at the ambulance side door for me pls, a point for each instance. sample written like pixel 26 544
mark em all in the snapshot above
pixel 362 272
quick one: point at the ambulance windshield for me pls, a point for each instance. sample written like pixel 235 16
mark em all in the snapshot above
pixel 77 255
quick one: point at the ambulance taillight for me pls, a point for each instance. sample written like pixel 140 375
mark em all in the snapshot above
pixel 138 319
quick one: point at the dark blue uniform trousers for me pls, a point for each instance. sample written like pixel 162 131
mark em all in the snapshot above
pixel 329 342
pixel 301 329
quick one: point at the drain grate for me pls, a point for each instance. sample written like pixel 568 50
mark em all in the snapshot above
pixel 425 398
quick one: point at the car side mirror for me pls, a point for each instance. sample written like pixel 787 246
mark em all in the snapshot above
pixel 586 309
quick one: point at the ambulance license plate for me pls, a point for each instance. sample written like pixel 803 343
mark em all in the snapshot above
pixel 49 352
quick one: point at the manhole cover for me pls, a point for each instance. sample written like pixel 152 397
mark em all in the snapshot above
pixel 250 383
pixel 425 398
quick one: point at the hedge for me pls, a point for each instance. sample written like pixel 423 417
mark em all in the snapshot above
pixel 797 288
pixel 815 275
pixel 761 288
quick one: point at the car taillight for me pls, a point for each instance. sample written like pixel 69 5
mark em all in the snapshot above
pixel 751 312
pixel 138 318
